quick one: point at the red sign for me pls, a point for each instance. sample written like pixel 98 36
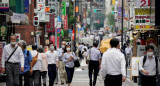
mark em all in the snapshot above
pixel 50 25
pixel 52 40
pixel 65 23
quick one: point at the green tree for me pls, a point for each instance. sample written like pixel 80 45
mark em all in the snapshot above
pixel 111 19
pixel 71 17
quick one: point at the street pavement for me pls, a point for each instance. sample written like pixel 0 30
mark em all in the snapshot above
pixel 81 79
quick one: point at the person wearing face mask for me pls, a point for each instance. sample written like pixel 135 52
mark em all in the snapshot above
pixel 27 65
pixel 11 57
pixel 148 66
pixel 63 75
pixel 69 58
pixel 113 67
pixel 52 57
pixel 128 52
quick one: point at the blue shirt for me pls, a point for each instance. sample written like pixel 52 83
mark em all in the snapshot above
pixel 27 60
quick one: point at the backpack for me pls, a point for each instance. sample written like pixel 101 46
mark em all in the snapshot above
pixel 34 60
pixel 156 60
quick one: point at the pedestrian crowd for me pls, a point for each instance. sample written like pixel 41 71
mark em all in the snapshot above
pixel 18 62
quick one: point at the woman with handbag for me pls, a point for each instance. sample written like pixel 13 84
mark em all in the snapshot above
pixel 69 58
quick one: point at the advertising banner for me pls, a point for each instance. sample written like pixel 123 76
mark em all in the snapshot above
pixel 142 3
pixel 65 23
pixel 26 6
pixel 64 8
pixel 20 7
pixel 50 25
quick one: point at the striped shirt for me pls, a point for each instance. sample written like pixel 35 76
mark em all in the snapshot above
pixel 95 54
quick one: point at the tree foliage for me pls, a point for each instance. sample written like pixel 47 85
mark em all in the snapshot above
pixel 71 17
pixel 111 19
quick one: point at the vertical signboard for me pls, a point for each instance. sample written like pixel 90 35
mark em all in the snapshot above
pixel 26 6
pixel 20 8
pixel 2 44
pixel 66 22
pixel 50 25
pixel 64 8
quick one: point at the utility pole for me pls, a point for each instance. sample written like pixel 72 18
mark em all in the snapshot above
pixel 90 16
pixel 55 22
pixel 122 26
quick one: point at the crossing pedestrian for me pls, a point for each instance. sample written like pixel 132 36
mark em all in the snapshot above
pixel 63 75
pixel 11 56
pixel 94 63
pixel 128 52
pixel 81 45
pixel 69 58
pixel 113 65
pixel 36 67
pixel 148 66
pixel 44 65
pixel 52 64
pixel 27 65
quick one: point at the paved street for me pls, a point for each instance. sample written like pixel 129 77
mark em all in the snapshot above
pixel 81 79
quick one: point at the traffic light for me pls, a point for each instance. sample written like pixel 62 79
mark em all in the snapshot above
pixel 36 21
pixel 95 10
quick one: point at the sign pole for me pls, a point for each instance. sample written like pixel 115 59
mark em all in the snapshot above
pixel 56 26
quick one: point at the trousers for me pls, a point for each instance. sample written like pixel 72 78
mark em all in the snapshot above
pixel 70 72
pixel 113 80
pixel 93 66
pixel 51 73
pixel 12 74
pixel 63 75
pixel 44 77
pixel 27 77
pixel 148 80
pixel 35 78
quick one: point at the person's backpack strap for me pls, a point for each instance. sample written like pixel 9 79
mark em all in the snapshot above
pixel 156 60
pixel 27 53
pixel 144 60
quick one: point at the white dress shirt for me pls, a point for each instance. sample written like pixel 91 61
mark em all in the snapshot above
pixel 113 63
pixel 37 65
pixel 128 50
pixel 52 57
pixel 95 54
pixel 80 47
pixel 15 58
pixel 149 65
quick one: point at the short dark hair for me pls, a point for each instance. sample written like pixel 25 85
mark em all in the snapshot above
pixel 114 42
pixel 95 44
pixel 149 47
pixel 34 47
pixel 40 50
pixel 50 44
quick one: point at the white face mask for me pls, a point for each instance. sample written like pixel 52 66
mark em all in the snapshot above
pixel 51 47
pixel 63 46
pixel 68 49
pixel 13 43
pixel 149 53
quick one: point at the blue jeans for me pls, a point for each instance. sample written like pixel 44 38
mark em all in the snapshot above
pixel 51 73
pixel 70 72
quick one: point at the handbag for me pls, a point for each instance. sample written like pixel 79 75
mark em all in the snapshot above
pixel 89 56
pixel 76 62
